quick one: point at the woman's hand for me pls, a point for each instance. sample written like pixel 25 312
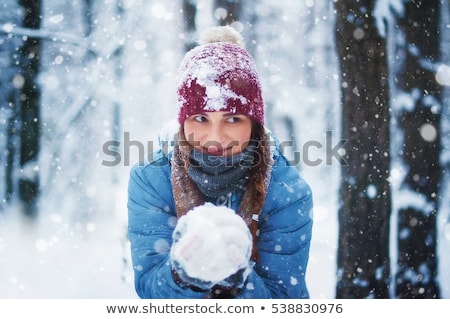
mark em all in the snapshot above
pixel 211 248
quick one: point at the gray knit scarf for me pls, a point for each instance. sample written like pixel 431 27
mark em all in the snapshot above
pixel 217 176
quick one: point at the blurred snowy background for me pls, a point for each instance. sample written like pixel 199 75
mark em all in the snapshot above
pixel 110 77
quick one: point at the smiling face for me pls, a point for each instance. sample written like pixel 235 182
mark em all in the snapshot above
pixel 218 133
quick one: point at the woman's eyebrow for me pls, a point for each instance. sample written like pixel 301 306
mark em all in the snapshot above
pixel 229 114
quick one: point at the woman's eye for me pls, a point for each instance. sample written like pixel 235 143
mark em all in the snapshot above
pixel 233 119
pixel 200 118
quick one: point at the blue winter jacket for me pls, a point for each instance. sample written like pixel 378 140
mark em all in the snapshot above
pixel 285 227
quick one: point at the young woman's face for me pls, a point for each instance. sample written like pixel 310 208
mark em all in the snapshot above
pixel 218 133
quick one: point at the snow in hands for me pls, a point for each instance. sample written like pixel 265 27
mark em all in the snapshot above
pixel 211 243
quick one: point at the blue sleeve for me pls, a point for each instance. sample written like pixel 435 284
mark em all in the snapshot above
pixel 151 221
pixel 285 229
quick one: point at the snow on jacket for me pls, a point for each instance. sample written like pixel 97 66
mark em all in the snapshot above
pixel 285 226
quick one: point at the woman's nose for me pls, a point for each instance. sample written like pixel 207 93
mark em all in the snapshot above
pixel 216 135
pixel 216 140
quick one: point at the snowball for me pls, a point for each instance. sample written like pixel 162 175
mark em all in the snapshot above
pixel 211 243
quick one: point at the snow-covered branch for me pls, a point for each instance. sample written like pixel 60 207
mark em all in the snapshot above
pixel 10 29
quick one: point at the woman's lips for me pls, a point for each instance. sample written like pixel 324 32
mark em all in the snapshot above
pixel 216 151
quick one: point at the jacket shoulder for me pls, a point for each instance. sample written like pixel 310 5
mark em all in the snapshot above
pixel 154 172
pixel 287 184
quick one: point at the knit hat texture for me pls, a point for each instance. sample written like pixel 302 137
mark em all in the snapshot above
pixel 219 75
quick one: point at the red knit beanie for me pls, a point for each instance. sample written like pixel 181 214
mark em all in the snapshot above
pixel 219 75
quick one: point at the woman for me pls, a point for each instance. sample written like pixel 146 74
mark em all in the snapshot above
pixel 222 155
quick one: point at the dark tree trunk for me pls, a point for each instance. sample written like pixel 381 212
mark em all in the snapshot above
pixel 28 106
pixel 189 15
pixel 10 83
pixel 420 122
pixel 227 11
pixel 88 17
pixel 364 212
pixel 9 69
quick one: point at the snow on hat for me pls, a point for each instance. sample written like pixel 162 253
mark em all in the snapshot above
pixel 219 75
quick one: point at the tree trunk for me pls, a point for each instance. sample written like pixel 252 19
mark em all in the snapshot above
pixel 227 11
pixel 189 15
pixel 29 109
pixel 420 122
pixel 364 212
pixel 9 81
